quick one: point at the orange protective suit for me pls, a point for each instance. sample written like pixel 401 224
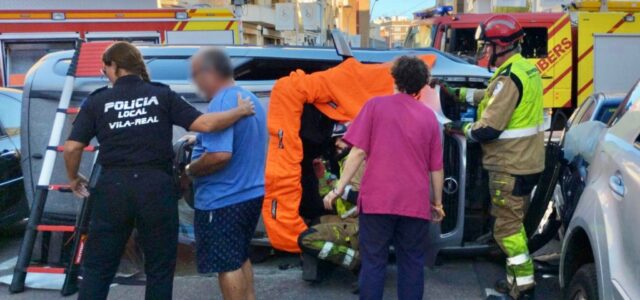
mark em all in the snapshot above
pixel 339 93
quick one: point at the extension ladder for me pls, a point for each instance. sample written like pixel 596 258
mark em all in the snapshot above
pixel 86 62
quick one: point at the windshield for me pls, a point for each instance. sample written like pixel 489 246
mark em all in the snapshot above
pixel 419 36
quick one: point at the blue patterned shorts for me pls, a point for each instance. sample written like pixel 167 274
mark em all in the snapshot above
pixel 223 235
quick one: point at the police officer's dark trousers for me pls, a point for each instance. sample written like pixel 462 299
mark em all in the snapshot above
pixel 123 198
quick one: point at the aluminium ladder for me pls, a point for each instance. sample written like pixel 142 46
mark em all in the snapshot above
pixel 86 62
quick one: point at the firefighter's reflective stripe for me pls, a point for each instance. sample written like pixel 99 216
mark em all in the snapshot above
pixel 520 132
pixel 467 95
pixel 326 249
pixel 470 93
pixel 525 280
pixel 522 280
pixel 348 257
pixel 518 259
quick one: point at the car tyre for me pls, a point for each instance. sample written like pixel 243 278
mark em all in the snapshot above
pixel 584 284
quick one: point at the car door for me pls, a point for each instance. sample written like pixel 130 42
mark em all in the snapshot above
pixel 11 189
pixel 622 147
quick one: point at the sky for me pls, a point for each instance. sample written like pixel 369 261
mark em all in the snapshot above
pixel 399 7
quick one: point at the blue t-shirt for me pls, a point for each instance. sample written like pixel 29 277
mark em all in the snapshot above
pixel 242 178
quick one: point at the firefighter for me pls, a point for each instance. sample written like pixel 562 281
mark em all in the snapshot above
pixel 335 239
pixel 510 129
pixel 133 122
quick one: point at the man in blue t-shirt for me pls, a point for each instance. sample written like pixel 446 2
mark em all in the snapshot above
pixel 228 167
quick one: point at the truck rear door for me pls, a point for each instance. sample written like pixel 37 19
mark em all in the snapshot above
pixel 20 51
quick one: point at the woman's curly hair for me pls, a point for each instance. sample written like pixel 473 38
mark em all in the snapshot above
pixel 410 74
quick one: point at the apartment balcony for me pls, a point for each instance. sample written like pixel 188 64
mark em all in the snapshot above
pixel 259 15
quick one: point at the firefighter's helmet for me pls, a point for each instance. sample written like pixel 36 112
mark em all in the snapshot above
pixel 498 30
pixel 339 129
pixel 503 30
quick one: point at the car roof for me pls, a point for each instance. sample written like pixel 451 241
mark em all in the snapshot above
pixel 44 77
pixel 11 93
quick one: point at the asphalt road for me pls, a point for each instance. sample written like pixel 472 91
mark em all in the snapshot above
pixel 279 277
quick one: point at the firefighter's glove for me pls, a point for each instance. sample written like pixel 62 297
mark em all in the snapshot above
pixel 457 127
pixel 449 93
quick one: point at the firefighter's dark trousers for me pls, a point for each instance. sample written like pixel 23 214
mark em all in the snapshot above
pixel 124 199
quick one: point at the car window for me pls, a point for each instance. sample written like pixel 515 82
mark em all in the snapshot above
pixel 588 112
pixel 160 68
pixel 606 111
pixel 169 69
pixel 577 115
pixel 630 103
pixel 10 115
pixel 275 68
pixel 534 44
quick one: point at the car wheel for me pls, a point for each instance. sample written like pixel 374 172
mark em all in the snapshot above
pixel 584 284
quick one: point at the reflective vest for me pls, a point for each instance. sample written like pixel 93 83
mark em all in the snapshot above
pixel 528 117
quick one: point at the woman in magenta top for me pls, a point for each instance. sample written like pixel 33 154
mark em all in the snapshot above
pixel 400 139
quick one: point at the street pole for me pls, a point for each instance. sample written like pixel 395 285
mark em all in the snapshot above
pixel 297 22
pixel 238 12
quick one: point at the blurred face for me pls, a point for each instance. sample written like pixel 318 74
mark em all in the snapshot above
pixel 207 81
pixel 486 49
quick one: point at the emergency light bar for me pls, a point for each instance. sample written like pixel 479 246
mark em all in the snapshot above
pixel 444 10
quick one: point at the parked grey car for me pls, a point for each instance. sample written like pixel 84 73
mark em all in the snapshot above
pixel 597 107
pixel 600 251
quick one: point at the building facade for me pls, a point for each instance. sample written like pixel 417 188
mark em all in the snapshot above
pixel 393 29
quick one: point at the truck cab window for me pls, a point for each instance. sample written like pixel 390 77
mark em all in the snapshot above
pixel 462 42
pixel 419 36
pixel 535 42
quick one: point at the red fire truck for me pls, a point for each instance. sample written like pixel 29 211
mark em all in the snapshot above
pixel 566 47
pixel 25 36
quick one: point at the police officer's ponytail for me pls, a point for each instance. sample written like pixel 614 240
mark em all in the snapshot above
pixel 126 56
pixel 144 74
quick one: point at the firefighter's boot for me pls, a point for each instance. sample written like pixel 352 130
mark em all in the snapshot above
pixel 502 286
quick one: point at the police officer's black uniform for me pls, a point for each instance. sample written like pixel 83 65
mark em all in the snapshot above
pixel 133 122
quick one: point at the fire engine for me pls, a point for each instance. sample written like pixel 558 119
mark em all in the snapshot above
pixel 27 35
pixel 561 45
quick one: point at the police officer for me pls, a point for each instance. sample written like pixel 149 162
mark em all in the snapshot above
pixel 510 128
pixel 133 123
